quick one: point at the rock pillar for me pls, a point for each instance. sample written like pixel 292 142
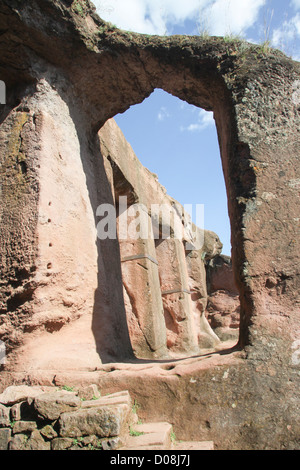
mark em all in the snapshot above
pixel 197 284
pixel 181 331
pixel 144 308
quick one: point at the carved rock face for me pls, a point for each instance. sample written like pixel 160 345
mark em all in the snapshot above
pixel 164 282
pixel 66 73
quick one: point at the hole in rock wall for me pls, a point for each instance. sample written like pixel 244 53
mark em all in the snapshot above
pixel 180 299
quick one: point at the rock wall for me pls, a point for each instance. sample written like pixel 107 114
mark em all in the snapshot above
pixel 223 308
pixel 50 310
pixel 49 418
pixel 66 73
pixel 61 315
pixel 162 286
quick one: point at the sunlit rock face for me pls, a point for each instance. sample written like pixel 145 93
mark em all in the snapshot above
pixel 163 277
pixel 63 306
pixel 223 307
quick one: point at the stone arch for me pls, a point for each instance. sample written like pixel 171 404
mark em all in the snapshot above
pixel 176 68
pixel 239 101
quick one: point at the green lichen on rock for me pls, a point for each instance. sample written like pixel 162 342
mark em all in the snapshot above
pixel 79 7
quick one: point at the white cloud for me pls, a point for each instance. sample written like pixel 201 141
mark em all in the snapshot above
pixel 295 4
pixel 145 16
pixel 205 119
pixel 156 17
pixel 128 15
pixel 232 16
pixel 286 36
pixel 163 114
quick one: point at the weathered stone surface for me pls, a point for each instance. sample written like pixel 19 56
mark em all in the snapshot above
pixel 61 443
pixel 143 301
pixel 19 442
pixel 15 411
pixel 66 288
pixel 24 427
pixel 23 410
pixel 32 442
pixel 155 275
pixel 108 416
pixel 223 307
pixel 89 392
pixel 92 441
pixel 220 275
pixel 194 445
pixel 103 422
pixel 50 405
pixel 210 398
pixel 18 393
pixel 118 398
pixel 111 444
pixel 48 432
pixel 36 442
pixel 4 416
pixel 5 436
pixel 206 338
pixel 223 313
pixel 150 436
pixel 182 335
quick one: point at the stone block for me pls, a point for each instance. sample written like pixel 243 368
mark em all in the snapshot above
pixel 24 427
pixel 61 443
pixel 90 392
pixel 36 442
pixel 4 416
pixel 104 421
pixel 18 442
pixel 22 411
pixel 5 436
pixel 117 398
pixel 52 404
pixel 33 442
pixel 17 393
pixel 48 432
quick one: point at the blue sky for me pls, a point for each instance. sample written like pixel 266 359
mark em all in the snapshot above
pixel 178 141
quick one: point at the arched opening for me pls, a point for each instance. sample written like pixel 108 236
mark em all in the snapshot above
pixel 179 301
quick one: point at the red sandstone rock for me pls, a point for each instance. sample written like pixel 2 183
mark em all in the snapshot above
pixel 52 404
pixel 223 307
pixel 160 280
pixel 61 293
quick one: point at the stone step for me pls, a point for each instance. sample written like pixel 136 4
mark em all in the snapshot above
pixel 118 398
pixel 58 419
pixel 193 445
pixel 158 436
pixel 113 412
pixel 149 436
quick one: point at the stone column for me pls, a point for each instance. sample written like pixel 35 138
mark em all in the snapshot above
pixel 181 331
pixel 206 338
pixel 143 302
